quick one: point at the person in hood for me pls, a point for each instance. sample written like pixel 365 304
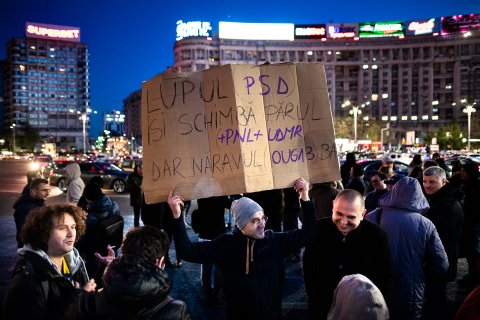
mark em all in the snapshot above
pixel 136 286
pixel 75 183
pixel 99 206
pixel 346 244
pixel 251 258
pixel 415 245
pixel 35 198
pixel 356 297
pixel 49 271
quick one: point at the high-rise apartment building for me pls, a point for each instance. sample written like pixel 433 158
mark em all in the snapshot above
pixel 47 86
pixel 416 75
pixel 133 116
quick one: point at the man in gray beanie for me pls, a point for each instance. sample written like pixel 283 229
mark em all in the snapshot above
pixel 251 258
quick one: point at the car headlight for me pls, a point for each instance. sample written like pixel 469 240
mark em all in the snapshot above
pixel 34 166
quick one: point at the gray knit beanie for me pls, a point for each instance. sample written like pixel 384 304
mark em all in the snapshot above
pixel 243 210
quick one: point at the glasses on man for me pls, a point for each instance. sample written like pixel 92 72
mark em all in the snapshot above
pixel 46 190
pixel 257 220
pixel 375 181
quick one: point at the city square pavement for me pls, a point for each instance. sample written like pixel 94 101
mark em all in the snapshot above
pixel 186 279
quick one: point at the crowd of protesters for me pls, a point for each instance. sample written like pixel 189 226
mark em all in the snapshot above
pixel 386 254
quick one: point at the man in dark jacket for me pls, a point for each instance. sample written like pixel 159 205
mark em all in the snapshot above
pixel 346 244
pixel 39 191
pixel 251 259
pixel 49 270
pixel 447 215
pixel 135 284
pixel 134 186
pixel 377 181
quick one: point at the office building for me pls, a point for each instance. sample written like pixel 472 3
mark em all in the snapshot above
pixel 47 86
pixel 416 75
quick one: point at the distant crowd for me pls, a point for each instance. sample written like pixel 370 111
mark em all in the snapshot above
pixel 388 253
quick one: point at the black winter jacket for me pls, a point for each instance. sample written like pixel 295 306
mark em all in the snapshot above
pixel 364 250
pixel 32 275
pixel 252 284
pixel 446 213
pixel 135 289
pixel 22 207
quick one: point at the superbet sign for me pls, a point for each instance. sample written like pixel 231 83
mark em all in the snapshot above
pixel 50 31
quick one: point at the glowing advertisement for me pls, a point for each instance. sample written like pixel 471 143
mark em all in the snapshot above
pixel 418 27
pixel 460 23
pixel 50 31
pixel 310 31
pixel 381 29
pixel 342 30
pixel 255 31
pixel 192 29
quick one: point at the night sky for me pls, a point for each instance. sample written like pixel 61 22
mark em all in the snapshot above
pixel 132 40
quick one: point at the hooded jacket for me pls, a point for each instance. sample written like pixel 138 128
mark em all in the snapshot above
pixel 356 297
pixel 415 246
pixel 134 186
pixel 132 285
pixel 75 183
pixel 252 269
pixel 34 273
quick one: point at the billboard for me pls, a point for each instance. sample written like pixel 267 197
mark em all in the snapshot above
pixel 460 23
pixel 51 31
pixel 255 31
pixel 310 31
pixel 418 27
pixel 381 29
pixel 192 29
pixel 342 30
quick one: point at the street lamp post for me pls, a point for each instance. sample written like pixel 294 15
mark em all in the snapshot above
pixel 469 109
pixel 355 111
pixel 84 120
pixel 13 136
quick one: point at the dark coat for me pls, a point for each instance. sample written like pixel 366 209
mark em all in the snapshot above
pixel 447 215
pixel 131 285
pixel 364 250
pixel 371 201
pixel 356 183
pixel 22 207
pixel 134 186
pixel 209 219
pixel 415 245
pixel 26 298
pixel 92 240
pixel 252 287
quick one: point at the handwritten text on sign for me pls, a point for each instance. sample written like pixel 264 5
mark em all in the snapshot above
pixel 239 128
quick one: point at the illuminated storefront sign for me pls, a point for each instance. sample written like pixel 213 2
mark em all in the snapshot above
pixel 418 27
pixel 342 31
pixel 310 31
pixel 460 23
pixel 255 31
pixel 50 31
pixel 380 29
pixel 192 29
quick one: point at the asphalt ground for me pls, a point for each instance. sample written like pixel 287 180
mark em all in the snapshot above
pixel 186 279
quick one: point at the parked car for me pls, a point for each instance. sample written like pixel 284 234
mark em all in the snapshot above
pixel 463 160
pixel 370 167
pixel 113 177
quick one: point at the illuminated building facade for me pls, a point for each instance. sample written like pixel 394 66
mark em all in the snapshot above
pixel 417 75
pixel 114 123
pixel 133 117
pixel 47 86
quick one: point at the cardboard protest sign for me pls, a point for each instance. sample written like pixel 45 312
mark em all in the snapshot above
pixel 236 129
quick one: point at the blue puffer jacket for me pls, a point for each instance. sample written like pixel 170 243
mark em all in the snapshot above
pixel 415 246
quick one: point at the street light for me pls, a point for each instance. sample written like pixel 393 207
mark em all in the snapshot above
pixel 84 120
pixel 355 111
pixel 469 109
pixel 13 136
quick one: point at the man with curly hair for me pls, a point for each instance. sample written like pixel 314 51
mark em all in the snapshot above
pixel 49 275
